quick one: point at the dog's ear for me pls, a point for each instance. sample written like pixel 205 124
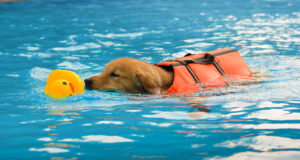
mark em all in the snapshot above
pixel 146 82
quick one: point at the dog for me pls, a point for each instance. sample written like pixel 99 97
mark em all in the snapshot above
pixel 135 76
pixel 131 75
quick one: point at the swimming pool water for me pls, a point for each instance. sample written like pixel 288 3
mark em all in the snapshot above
pixel 260 121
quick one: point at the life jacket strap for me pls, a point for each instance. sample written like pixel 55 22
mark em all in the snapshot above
pixel 211 59
pixel 190 70
pixel 206 59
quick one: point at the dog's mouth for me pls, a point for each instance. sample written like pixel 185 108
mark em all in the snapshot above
pixel 88 87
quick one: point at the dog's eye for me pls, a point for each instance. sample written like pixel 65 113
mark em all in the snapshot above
pixel 113 74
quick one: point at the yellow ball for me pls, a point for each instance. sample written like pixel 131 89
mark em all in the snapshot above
pixel 63 83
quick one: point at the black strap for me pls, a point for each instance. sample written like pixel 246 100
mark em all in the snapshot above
pixel 190 70
pixel 211 60
pixel 188 54
pixel 206 59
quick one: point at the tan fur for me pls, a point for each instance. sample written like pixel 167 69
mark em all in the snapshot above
pixel 133 76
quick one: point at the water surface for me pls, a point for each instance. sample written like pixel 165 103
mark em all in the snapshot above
pixel 260 121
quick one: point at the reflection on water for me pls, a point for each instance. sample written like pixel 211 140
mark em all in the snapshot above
pixel 258 121
pixel 263 143
pixel 277 155
pixel 52 145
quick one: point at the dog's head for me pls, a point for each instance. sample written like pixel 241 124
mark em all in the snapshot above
pixel 126 75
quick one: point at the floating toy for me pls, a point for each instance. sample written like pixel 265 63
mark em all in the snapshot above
pixel 63 83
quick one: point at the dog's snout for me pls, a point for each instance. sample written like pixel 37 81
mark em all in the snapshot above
pixel 88 83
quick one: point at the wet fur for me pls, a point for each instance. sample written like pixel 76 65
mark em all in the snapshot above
pixel 132 76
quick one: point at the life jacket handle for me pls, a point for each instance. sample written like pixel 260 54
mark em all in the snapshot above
pixel 206 59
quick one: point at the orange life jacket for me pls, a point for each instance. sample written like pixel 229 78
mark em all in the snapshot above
pixel 217 68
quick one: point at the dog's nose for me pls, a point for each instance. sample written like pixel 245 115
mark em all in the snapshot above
pixel 88 83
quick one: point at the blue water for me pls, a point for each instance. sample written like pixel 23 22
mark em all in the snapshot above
pixel 260 121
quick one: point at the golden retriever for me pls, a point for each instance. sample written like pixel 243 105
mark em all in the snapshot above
pixel 131 75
